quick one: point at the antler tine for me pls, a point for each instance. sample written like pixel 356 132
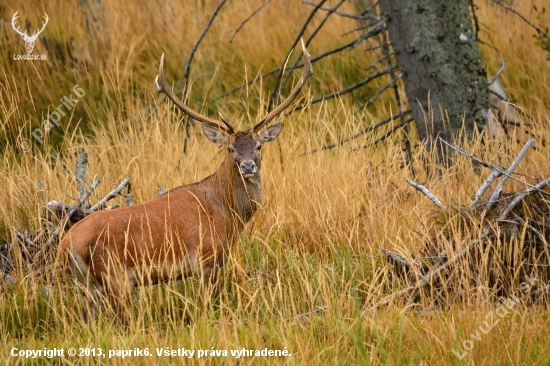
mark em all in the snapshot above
pixel 308 71
pixel 15 27
pixel 225 121
pixel 163 88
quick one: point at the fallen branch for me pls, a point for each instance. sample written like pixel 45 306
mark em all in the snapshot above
pixel 24 238
pixel 303 317
pixel 426 279
pixel 496 193
pixel 495 173
pixel 520 197
pixel 399 261
pixel 9 280
pixel 115 192
pixel 428 194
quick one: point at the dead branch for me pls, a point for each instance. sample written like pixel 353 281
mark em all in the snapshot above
pixel 376 23
pixel 197 44
pixel 426 279
pixel 495 173
pixel 9 280
pixel 386 135
pixel 274 94
pixel 247 19
pixel 391 84
pixel 474 17
pixel 303 317
pixel 520 197
pixel 85 196
pixel 428 194
pixel 398 260
pixel 495 78
pixel 345 15
pixel 308 41
pixel 266 74
pixel 341 92
pixel 24 238
pixel 80 173
pixel 542 35
pixel 115 192
pixel 375 30
pixel 360 133
pixel 496 193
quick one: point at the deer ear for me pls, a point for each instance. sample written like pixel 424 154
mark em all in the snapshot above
pixel 271 133
pixel 214 135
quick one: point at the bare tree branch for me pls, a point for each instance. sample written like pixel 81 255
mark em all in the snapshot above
pixel 540 32
pixel 196 45
pixel 345 15
pixel 308 41
pixel 247 19
pixel 386 135
pixel 115 192
pixel 343 91
pixel 274 94
pixel 313 60
pixel 360 133
pixel 380 91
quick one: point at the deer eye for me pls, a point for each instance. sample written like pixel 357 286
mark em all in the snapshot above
pixel 259 147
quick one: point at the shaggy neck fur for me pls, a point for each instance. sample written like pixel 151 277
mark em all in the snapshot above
pixel 239 196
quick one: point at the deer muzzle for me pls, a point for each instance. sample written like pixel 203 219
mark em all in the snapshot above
pixel 248 168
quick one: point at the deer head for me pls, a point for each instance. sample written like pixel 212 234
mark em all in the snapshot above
pixel 243 147
pixel 29 40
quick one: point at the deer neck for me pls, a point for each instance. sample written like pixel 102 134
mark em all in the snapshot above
pixel 240 196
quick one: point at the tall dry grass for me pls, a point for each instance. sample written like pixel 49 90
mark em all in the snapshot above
pixel 308 264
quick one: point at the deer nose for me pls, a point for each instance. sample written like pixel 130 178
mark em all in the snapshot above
pixel 248 167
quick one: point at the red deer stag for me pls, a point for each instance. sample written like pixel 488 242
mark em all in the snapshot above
pixel 186 231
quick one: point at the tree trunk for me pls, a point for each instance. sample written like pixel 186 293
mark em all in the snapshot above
pixel 443 74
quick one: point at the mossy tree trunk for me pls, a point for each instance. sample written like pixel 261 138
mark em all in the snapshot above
pixel 443 74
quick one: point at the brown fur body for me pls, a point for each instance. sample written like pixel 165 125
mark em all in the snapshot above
pixel 186 231
pixel 196 221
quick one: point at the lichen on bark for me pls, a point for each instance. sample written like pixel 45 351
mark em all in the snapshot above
pixel 443 73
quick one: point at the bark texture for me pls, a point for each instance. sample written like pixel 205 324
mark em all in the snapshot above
pixel 444 76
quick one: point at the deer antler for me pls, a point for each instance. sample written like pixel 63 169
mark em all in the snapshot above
pixel 308 71
pixel 15 27
pixel 163 88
